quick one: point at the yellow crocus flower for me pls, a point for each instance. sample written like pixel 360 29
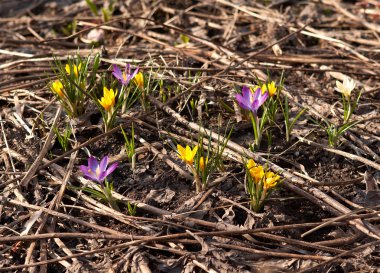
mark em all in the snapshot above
pixel 270 87
pixel 139 80
pixel 256 171
pixel 76 69
pixel 186 154
pixel 57 87
pixel 271 180
pixel 108 99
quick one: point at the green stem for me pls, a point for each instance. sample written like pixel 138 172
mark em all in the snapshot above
pixel 110 199
pixel 123 96
pixel 256 128
pixel 198 184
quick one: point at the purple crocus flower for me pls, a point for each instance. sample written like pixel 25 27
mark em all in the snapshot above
pixel 126 76
pixel 97 171
pixel 250 101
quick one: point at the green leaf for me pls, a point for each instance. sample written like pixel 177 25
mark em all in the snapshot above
pixel 106 14
pixel 95 193
pixel 297 117
pixel 92 7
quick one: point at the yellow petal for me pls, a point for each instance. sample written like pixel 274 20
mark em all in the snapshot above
pixel 194 152
pixel 139 80
pixel 263 88
pixel 75 70
pixel 251 164
pixel 271 180
pixel 257 173
pixel 202 164
pixel 57 87
pixel 67 69
pixel 181 151
pixel 108 99
pixel 272 89
pixel 188 158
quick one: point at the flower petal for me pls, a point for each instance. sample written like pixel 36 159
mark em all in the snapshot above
pixel 134 73
pixel 188 153
pixel 181 151
pixel 67 68
pixel 257 94
pixel 245 98
pixel 339 86
pixel 111 169
pixel 84 169
pixel 194 152
pixel 92 163
pixel 127 69
pixel 246 92
pixel 88 173
pixel 117 72
pixel 240 99
pixel 251 163
pixel 103 164
pixel 263 98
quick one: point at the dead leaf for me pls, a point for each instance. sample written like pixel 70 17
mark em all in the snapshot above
pixel 162 196
pixel 229 215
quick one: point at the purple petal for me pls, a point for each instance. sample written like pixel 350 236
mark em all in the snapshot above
pixel 127 69
pixel 92 176
pixel 103 164
pixel 239 99
pixel 117 72
pixel 263 98
pixel 134 74
pixel 244 99
pixel 111 169
pixel 257 94
pixel 242 102
pixel 84 169
pixel 247 94
pixel 255 107
pixel 88 173
pixel 102 176
pixel 92 164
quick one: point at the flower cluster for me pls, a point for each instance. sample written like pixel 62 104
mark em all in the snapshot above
pixel 203 161
pixel 260 184
pixel 112 100
pixel 74 82
pixel 66 89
